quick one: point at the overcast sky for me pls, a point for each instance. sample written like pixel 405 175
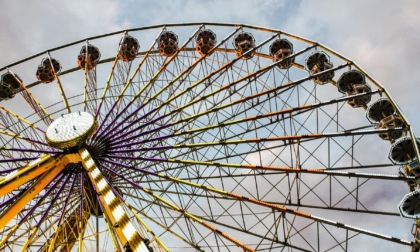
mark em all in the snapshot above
pixel 382 37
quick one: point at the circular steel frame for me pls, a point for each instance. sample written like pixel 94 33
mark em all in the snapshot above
pixel 202 152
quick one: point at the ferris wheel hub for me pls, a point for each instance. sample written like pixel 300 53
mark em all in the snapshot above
pixel 71 130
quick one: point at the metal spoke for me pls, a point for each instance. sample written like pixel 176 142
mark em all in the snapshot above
pixel 203 137
pixel 60 86
pixel 33 102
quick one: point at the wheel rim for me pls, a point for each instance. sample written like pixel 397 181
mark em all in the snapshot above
pixel 224 149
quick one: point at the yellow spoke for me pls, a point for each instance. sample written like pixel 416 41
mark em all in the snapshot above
pixel 33 102
pixel 60 86
pixel 198 220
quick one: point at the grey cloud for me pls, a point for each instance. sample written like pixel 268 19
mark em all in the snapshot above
pixel 380 36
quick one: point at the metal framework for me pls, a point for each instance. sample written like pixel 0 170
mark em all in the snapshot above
pixel 215 137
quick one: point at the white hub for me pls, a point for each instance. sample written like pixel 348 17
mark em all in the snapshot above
pixel 70 130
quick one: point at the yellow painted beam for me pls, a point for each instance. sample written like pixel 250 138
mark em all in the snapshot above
pixel 6 237
pixel 47 166
pixel 28 195
pixel 28 241
pixel 34 169
pixel 113 206
pixel 31 171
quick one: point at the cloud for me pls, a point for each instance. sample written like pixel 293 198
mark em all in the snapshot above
pixel 178 11
pixel 380 36
pixel 33 26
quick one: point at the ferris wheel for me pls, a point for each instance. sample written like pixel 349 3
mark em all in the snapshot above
pixel 202 137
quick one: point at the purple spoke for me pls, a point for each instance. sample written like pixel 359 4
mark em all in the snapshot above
pixel 143 149
pixel 14 197
pixel 137 96
pixel 9 170
pixel 257 73
pixel 34 141
pixel 16 160
pixel 115 191
pixel 67 200
pixel 299 111
pixel 114 132
pixel 100 203
pixel 81 197
pixel 116 117
pixel 53 200
pixel 110 138
pixel 112 147
pixel 31 150
pixel 121 176
pixel 152 80
pixel 99 108
pixel 41 199
pixel 138 158
pixel 10 199
pixel 104 120
pixel 136 129
pixel 130 167
pixel 124 120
